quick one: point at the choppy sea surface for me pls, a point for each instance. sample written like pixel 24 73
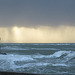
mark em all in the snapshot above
pixel 41 58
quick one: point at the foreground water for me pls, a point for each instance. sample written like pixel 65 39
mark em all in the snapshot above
pixel 38 58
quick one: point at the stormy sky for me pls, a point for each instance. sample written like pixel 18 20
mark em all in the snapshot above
pixel 37 12
pixel 49 19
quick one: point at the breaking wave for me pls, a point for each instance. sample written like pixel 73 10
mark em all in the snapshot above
pixel 12 62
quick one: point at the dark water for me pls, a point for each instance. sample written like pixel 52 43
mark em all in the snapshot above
pixel 38 58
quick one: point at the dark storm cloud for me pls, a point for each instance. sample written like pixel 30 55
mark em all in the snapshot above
pixel 37 12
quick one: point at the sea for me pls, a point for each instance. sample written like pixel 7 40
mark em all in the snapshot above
pixel 38 58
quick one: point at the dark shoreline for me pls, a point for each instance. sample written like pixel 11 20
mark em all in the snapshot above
pixel 14 73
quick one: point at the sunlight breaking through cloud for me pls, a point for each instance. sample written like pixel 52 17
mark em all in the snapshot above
pixel 42 34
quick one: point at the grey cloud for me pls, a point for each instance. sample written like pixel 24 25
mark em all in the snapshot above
pixel 32 13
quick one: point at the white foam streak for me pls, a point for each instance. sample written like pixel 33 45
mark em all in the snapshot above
pixel 15 57
pixel 59 64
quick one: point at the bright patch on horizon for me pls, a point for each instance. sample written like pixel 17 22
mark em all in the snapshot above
pixel 16 33
pixel 44 34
